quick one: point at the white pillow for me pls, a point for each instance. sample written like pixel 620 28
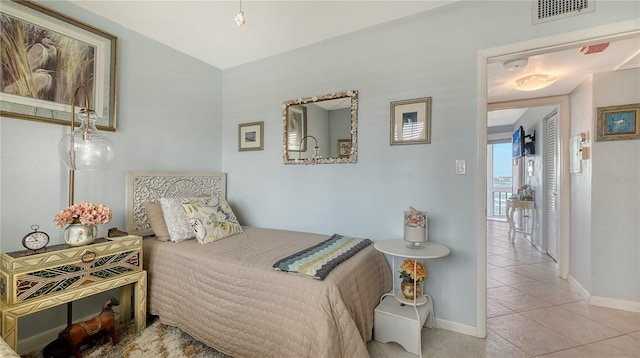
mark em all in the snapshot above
pixel 177 223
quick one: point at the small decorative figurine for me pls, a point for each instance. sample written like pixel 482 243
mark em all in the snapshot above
pixel 76 333
pixel 115 232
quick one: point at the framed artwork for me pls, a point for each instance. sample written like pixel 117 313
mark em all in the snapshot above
pixel 618 122
pixel 47 55
pixel 411 121
pixel 296 128
pixel 517 143
pixel 344 148
pixel 250 136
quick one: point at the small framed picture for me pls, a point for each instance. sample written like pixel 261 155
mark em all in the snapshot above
pixel 411 121
pixel 250 136
pixel 618 122
pixel 344 148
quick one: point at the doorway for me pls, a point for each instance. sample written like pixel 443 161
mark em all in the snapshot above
pixel 534 170
pixel 527 48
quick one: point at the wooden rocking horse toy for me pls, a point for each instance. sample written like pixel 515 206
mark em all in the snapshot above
pixel 105 322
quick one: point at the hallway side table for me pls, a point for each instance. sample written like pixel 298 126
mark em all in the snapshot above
pixel 525 208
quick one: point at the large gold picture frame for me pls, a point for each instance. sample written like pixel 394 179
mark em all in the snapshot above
pixel 45 56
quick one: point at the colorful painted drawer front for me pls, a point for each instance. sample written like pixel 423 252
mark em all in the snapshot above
pixel 25 277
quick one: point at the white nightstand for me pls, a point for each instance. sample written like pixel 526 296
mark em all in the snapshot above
pixel 397 319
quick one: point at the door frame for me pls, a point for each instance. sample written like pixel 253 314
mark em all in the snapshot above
pixel 609 32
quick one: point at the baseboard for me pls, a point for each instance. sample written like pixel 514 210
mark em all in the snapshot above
pixel 615 303
pixel 578 287
pixel 40 340
pixel 603 301
pixel 456 327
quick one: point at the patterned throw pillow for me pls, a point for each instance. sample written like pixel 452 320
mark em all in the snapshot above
pixel 211 219
pixel 177 223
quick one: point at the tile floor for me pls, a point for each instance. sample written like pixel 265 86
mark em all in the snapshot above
pixel 531 312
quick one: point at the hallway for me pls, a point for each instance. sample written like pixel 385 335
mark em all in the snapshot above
pixel 531 312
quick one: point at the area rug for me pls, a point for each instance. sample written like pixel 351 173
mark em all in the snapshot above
pixel 157 340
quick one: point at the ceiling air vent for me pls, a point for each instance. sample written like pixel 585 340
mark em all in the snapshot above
pixel 550 10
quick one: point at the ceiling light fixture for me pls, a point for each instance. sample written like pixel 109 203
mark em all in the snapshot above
pixel 240 19
pixel 532 82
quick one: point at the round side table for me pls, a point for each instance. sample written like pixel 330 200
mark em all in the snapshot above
pixel 400 320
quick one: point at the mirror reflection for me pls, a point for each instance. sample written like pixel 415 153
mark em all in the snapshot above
pixel 321 129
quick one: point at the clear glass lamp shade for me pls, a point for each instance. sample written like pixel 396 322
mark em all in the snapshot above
pixel 86 148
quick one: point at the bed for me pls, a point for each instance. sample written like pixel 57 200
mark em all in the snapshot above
pixel 228 295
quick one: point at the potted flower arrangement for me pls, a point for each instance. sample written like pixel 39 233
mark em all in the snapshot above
pixel 80 220
pixel 412 274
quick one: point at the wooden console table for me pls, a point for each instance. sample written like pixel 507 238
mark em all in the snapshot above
pixel 32 282
pixel 522 206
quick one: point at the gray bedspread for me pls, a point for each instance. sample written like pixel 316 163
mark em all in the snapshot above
pixel 227 295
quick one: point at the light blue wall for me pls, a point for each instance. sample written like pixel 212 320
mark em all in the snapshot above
pixel 169 118
pixel 582 114
pixel 431 54
pixel 170 113
pixel 615 208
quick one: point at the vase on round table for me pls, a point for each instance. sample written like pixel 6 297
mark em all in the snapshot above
pixel 80 234
pixel 408 290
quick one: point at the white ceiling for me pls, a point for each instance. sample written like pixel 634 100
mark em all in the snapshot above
pixel 569 65
pixel 207 31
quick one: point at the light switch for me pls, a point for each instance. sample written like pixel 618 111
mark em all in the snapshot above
pixel 461 167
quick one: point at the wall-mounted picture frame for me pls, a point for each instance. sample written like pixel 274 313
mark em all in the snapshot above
pixel 517 143
pixel 411 121
pixel 46 55
pixel 250 136
pixel 344 148
pixel 618 122
pixel 296 128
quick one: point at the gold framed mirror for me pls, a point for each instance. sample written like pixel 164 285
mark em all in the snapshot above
pixel 321 129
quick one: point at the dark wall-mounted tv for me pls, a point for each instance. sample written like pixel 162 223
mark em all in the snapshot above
pixel 517 148
pixel 530 144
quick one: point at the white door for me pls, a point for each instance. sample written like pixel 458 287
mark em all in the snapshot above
pixel 551 184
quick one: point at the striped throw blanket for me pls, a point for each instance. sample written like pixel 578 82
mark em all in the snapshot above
pixel 318 260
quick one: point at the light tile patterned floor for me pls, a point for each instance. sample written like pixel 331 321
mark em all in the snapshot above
pixel 531 312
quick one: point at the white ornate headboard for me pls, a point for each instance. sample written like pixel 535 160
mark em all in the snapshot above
pixel 143 187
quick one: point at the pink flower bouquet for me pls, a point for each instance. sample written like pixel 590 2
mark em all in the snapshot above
pixel 83 213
